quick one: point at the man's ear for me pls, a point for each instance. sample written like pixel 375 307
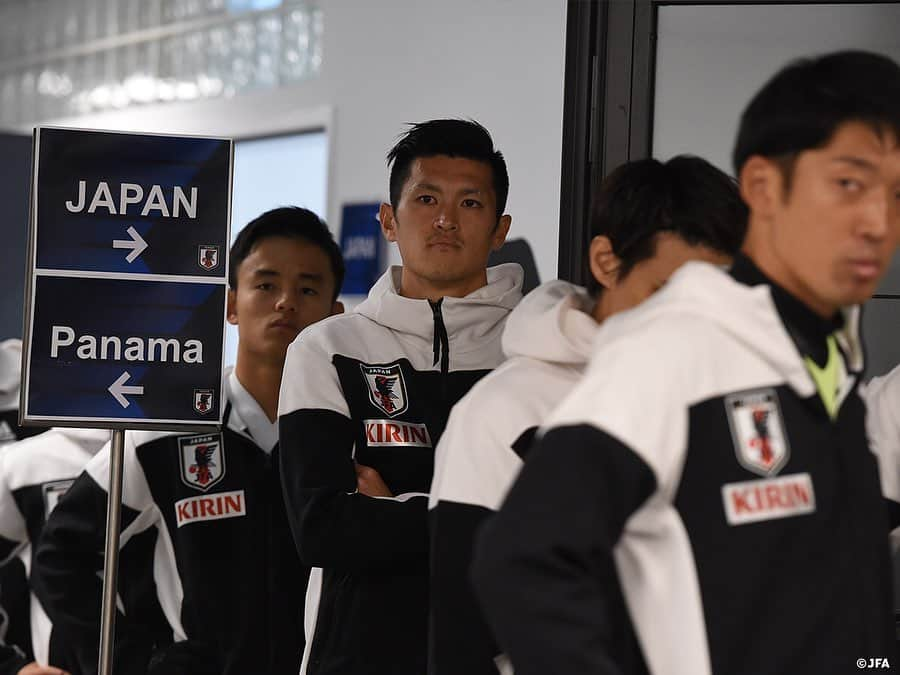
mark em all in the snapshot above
pixel 388 224
pixel 337 308
pixel 500 232
pixel 232 307
pixel 762 186
pixel 604 263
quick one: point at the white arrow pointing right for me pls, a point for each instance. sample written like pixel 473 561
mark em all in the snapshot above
pixel 136 244
pixel 118 389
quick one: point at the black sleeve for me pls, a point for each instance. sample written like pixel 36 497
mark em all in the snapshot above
pixel 66 576
pixel 893 513
pixel 541 562
pixel 11 660
pixel 15 603
pixel 334 526
pixel 8 548
pixel 187 657
pixel 459 639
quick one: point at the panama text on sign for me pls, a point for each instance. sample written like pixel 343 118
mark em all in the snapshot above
pixel 114 348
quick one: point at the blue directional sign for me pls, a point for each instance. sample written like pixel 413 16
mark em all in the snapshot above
pixel 127 280
pixel 361 244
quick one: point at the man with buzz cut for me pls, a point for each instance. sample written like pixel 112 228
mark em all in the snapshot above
pixel 715 451
pixel 224 567
pixel 365 398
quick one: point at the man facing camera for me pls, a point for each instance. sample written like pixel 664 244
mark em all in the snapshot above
pixel 365 398
pixel 224 567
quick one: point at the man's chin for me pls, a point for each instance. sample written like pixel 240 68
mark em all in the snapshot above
pixel 275 350
pixel 855 296
pixel 449 274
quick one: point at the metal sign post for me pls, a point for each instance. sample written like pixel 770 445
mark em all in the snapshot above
pixel 126 296
pixel 111 552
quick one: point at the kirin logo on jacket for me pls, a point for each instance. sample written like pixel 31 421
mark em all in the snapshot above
pixel 757 430
pixel 386 387
pixel 202 461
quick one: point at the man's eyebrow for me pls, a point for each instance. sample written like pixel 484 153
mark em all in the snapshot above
pixel 858 162
pixel 426 186
pixel 264 272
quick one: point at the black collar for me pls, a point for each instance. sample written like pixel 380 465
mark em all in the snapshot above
pixel 808 330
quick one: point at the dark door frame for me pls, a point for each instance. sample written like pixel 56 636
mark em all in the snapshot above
pixel 608 102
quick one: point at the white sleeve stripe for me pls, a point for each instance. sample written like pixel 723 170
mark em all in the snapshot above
pixel 658 573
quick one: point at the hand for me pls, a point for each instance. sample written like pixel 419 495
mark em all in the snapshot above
pixel 34 668
pixel 370 483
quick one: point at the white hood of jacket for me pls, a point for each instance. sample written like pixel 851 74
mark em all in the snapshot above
pixel 552 323
pixel 470 321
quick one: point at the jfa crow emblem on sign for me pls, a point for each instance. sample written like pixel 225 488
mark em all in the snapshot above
pixel 202 461
pixel 208 257
pixel 757 430
pixel 203 400
pixel 387 390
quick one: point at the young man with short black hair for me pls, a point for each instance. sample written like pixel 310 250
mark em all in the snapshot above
pixel 365 398
pixel 649 218
pixel 226 572
pixel 715 450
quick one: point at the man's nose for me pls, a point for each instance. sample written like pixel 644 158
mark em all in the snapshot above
pixel 878 216
pixel 447 219
pixel 286 302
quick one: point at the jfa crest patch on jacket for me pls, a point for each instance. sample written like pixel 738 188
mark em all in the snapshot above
pixel 202 461
pixel 386 387
pixel 757 430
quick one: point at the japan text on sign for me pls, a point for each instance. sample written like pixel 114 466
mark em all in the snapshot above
pixel 127 280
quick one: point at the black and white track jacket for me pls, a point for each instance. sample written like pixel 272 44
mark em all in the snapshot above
pixel 376 387
pixel 34 473
pixel 747 526
pixel 15 595
pixel 882 396
pixel 10 370
pixel 547 341
pixel 224 567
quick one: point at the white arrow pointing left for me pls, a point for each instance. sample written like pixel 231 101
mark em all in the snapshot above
pixel 118 389
pixel 136 244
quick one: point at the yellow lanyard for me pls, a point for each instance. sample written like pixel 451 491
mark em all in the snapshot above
pixel 828 379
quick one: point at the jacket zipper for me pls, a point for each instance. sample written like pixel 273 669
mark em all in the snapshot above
pixel 441 344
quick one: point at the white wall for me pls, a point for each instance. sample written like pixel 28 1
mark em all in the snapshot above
pixel 394 61
pixel 710 60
